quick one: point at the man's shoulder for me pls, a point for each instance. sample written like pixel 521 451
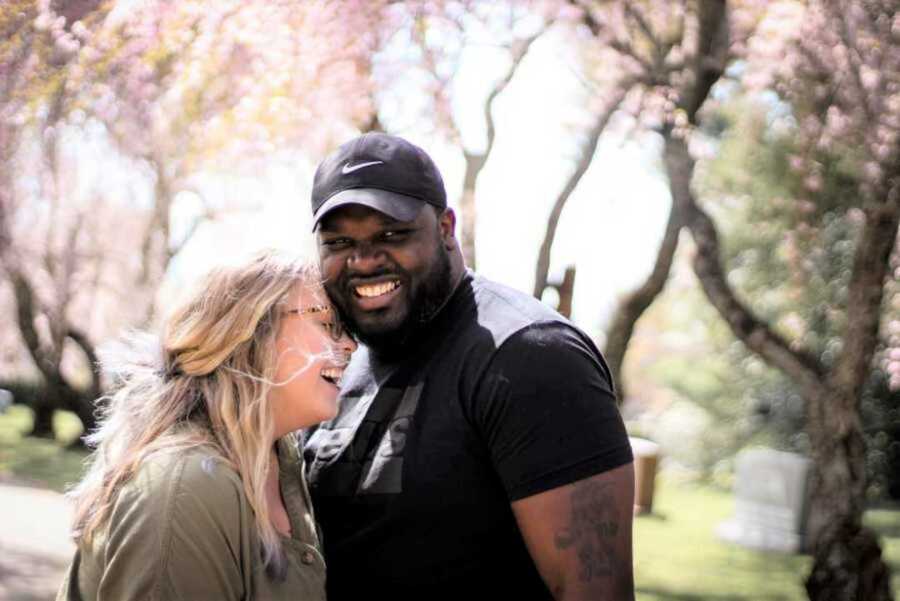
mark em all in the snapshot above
pixel 493 297
pixel 507 313
pixel 527 331
pixel 551 348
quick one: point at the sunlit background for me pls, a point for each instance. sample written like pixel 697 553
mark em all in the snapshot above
pixel 144 141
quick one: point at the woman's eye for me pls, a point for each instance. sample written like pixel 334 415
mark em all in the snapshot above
pixel 333 329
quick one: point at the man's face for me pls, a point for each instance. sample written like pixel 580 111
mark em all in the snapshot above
pixel 386 277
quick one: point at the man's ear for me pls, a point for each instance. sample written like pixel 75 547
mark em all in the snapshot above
pixel 447 223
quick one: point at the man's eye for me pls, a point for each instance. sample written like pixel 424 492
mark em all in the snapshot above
pixel 395 235
pixel 336 242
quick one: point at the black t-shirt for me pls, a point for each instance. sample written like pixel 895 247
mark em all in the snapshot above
pixel 499 399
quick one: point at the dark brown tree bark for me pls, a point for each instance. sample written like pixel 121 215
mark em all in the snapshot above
pixel 848 563
pixel 694 85
pixel 468 212
pixel 847 557
pixel 59 392
pixel 698 77
pixel 630 309
pixel 475 161
pixel 585 156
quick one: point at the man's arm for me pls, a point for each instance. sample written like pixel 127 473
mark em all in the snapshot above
pixel 548 413
pixel 579 536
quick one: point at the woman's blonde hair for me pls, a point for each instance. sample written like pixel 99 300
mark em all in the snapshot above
pixel 206 383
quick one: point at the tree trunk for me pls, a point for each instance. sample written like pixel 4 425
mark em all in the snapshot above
pixel 847 561
pixel 566 291
pixel 586 155
pixel 631 308
pixel 42 426
pixel 59 394
pixel 83 406
pixel 468 216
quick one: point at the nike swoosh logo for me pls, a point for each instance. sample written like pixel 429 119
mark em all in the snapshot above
pixel 350 169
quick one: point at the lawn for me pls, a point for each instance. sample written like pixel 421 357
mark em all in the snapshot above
pixel 38 461
pixel 677 555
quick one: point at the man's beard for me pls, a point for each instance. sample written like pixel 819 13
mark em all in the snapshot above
pixel 425 301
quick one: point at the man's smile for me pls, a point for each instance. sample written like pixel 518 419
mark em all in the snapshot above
pixel 376 290
pixel 374 295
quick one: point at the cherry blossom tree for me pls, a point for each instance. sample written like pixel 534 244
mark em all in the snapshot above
pixel 648 60
pixel 37 47
pixel 442 34
pixel 175 89
pixel 188 87
pixel 840 76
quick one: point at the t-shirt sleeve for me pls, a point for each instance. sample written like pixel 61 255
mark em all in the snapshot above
pixel 547 411
pixel 177 536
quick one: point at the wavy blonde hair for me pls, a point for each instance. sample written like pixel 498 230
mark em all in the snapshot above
pixel 207 383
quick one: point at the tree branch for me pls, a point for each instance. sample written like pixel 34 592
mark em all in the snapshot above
pixel 588 18
pixel 26 312
pixel 710 58
pixel 80 338
pixel 643 25
pixel 775 350
pixel 586 155
pixel 865 292
pixel 633 306
pixel 848 38
pixel 519 50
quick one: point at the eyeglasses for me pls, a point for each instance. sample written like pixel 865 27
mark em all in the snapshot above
pixel 333 325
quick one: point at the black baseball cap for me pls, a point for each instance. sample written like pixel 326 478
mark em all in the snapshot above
pixel 380 171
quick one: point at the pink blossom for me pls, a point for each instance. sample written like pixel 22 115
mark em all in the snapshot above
pixel 872 171
pixel 813 182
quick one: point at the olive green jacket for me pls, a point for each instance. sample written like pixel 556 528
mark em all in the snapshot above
pixel 183 529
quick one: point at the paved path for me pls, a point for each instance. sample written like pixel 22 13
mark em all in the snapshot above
pixel 35 548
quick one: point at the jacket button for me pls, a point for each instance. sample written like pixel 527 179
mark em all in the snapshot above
pixel 308 558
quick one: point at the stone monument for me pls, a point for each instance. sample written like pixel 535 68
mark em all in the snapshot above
pixel 770 501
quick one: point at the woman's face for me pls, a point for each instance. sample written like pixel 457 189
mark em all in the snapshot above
pixel 310 361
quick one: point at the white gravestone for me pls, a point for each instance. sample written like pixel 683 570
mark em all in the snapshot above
pixel 770 501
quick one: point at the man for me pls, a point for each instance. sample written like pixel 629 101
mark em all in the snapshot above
pixel 478 452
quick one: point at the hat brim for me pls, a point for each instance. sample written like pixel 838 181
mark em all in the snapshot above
pixel 395 206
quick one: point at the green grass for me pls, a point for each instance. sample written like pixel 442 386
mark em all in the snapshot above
pixel 41 462
pixel 677 556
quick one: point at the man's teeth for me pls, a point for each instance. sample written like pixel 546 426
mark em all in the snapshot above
pixel 373 290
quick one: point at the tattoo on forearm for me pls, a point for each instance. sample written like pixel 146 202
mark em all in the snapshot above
pixel 592 530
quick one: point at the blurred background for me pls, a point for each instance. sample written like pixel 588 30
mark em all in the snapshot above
pixel 711 189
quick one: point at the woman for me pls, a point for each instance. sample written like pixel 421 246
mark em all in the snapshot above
pixel 196 489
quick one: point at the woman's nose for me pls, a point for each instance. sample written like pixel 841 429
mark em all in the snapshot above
pixel 346 343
